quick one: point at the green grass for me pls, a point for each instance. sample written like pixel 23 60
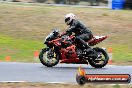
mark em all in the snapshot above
pixel 122 53
pixel 24 26
pixel 18 49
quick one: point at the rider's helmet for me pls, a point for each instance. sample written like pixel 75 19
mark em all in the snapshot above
pixel 69 18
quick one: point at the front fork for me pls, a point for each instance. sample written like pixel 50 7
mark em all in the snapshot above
pixel 53 49
pixel 45 49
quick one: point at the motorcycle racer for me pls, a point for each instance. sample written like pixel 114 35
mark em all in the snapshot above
pixel 73 48
pixel 67 48
pixel 82 33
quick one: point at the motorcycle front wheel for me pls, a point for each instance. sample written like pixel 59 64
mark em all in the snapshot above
pixel 48 57
pixel 101 60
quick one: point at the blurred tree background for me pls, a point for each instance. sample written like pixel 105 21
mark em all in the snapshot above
pixel 68 2
pixel 75 2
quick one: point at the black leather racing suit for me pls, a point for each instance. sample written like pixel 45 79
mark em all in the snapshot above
pixel 82 33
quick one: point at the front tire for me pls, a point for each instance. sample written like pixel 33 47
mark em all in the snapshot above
pixel 43 56
pixel 104 58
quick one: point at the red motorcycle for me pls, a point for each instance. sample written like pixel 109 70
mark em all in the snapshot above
pixel 63 49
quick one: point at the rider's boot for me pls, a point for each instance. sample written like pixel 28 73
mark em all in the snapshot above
pixel 91 52
pixel 86 48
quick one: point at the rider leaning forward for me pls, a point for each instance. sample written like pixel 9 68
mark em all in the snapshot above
pixel 82 33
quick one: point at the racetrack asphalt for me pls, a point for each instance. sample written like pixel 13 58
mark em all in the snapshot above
pixel 62 73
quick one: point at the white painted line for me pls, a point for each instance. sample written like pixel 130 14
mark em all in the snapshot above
pixel 12 81
pixel 37 82
pixel 111 65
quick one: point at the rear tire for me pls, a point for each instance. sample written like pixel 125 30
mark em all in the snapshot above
pixel 106 58
pixel 41 58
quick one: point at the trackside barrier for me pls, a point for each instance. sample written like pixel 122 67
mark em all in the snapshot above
pixel 110 55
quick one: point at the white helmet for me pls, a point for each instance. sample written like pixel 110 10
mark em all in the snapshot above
pixel 69 17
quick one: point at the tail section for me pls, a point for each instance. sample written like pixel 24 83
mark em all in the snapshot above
pixel 96 39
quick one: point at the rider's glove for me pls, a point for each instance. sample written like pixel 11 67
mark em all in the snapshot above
pixel 64 33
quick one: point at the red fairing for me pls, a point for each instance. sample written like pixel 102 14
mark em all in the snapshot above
pixel 72 50
pixel 69 51
pixel 75 60
pixel 56 42
pixel 96 39
pixel 63 53
pixel 68 54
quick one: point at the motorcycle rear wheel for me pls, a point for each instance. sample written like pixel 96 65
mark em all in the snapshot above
pixel 103 57
pixel 48 61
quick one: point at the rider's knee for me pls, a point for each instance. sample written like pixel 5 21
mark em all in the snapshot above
pixel 77 39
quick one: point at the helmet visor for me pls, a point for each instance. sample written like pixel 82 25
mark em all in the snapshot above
pixel 67 19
